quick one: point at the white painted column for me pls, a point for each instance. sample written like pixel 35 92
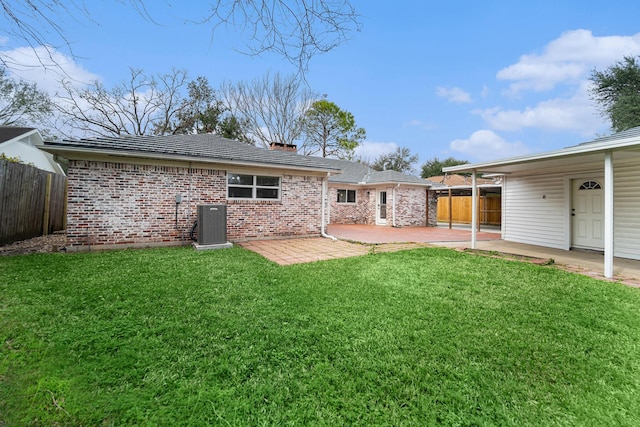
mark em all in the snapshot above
pixel 474 209
pixel 608 214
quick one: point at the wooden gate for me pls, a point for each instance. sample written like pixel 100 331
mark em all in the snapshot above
pixel 490 209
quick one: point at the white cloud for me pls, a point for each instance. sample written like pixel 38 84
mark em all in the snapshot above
pixel 576 114
pixel 369 150
pixel 487 145
pixel 568 59
pixel 45 66
pixel 454 94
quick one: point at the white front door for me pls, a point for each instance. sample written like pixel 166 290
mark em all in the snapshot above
pixel 587 214
pixel 381 211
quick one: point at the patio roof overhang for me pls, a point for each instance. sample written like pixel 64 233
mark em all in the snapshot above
pixel 599 150
pixel 583 153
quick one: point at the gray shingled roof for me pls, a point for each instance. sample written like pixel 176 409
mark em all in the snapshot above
pixel 629 133
pixel 212 148
pixel 204 147
pixel 359 173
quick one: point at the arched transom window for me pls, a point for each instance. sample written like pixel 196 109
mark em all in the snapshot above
pixel 590 185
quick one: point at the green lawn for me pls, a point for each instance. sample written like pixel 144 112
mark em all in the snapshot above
pixel 429 336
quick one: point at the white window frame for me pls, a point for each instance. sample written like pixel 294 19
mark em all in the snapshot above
pixel 346 196
pixel 255 187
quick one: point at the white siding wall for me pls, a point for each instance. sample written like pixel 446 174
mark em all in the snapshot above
pixel 529 218
pixel 534 211
pixel 626 193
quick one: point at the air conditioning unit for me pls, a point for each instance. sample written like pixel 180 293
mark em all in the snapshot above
pixel 212 225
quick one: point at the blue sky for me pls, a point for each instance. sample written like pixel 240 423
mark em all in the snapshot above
pixel 476 80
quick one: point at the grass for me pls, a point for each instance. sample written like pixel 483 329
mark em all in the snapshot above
pixel 422 337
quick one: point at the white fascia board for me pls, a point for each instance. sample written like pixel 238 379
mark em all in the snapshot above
pixel 587 148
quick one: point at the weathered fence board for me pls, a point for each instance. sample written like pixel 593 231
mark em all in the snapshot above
pixel 490 210
pixel 23 190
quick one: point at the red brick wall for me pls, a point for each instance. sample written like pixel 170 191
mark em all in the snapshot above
pixel 361 212
pixel 118 203
pixel 411 207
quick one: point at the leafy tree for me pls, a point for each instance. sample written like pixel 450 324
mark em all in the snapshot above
pixel 400 160
pixel 616 90
pixel 271 108
pixel 295 30
pixel 22 103
pixel 203 112
pixel 233 128
pixel 330 131
pixel 434 166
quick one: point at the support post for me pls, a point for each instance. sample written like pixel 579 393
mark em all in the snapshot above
pixel 450 210
pixel 608 215
pixel 474 209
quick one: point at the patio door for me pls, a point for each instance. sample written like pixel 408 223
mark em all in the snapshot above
pixel 381 212
pixel 587 214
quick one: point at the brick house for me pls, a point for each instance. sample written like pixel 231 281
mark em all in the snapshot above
pixel 144 190
pixel 361 195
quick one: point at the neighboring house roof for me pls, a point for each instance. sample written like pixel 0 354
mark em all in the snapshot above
pixel 23 143
pixel 456 180
pixel 205 148
pixel 581 153
pixel 8 133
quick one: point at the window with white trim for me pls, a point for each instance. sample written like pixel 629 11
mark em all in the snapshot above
pixel 253 187
pixel 346 196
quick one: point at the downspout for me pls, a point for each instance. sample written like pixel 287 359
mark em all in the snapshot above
pixel 393 212
pixel 324 204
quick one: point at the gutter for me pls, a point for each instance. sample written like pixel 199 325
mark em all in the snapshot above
pixel 140 155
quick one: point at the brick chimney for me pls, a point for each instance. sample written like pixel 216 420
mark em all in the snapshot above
pixel 283 147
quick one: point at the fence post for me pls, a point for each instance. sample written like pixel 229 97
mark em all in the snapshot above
pixel 47 203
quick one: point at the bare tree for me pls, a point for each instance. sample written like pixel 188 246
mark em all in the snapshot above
pixel 142 105
pixel 296 30
pixel 273 107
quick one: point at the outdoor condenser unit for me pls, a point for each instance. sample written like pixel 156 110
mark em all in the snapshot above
pixel 212 224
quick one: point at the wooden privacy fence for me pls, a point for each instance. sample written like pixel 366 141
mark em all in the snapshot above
pixel 490 209
pixel 32 202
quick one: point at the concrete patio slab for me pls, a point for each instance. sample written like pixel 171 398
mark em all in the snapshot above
pixel 310 249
